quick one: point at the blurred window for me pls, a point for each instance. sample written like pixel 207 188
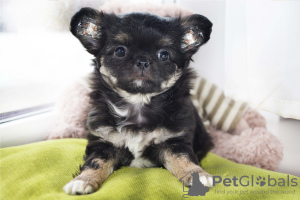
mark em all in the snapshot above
pixel 38 54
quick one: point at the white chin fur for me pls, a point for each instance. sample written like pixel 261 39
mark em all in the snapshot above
pixel 138 83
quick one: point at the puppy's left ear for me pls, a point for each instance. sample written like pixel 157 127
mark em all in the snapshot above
pixel 87 26
pixel 197 29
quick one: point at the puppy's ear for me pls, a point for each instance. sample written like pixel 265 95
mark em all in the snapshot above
pixel 197 29
pixel 87 26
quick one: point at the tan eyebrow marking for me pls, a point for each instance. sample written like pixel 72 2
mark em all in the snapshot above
pixel 164 41
pixel 122 37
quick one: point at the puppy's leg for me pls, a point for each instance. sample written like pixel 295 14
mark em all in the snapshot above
pixel 181 166
pixel 90 178
pixel 102 158
pixel 177 156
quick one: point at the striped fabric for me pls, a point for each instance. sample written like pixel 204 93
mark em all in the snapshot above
pixel 214 108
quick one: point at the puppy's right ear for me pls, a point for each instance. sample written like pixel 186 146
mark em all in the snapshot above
pixel 87 26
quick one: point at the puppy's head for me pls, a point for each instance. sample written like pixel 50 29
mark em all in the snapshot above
pixel 140 52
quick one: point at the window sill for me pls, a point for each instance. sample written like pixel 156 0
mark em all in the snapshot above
pixel 26 130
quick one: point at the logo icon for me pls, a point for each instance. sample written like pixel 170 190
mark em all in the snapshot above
pixel 197 188
pixel 260 181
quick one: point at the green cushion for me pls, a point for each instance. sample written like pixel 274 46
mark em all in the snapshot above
pixel 40 170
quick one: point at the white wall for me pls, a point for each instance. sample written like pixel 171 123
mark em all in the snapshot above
pixel 262 49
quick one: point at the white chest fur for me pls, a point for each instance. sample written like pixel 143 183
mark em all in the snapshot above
pixel 136 142
pixel 133 112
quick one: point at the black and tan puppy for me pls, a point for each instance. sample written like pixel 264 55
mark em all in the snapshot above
pixel 141 113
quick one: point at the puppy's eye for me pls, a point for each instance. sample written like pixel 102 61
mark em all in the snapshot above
pixel 120 52
pixel 163 55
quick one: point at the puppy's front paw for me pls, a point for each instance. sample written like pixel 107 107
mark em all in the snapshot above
pixel 205 178
pixel 79 187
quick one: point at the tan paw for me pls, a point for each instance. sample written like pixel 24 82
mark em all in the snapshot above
pixel 78 187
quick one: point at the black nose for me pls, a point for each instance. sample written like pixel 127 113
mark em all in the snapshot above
pixel 142 64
